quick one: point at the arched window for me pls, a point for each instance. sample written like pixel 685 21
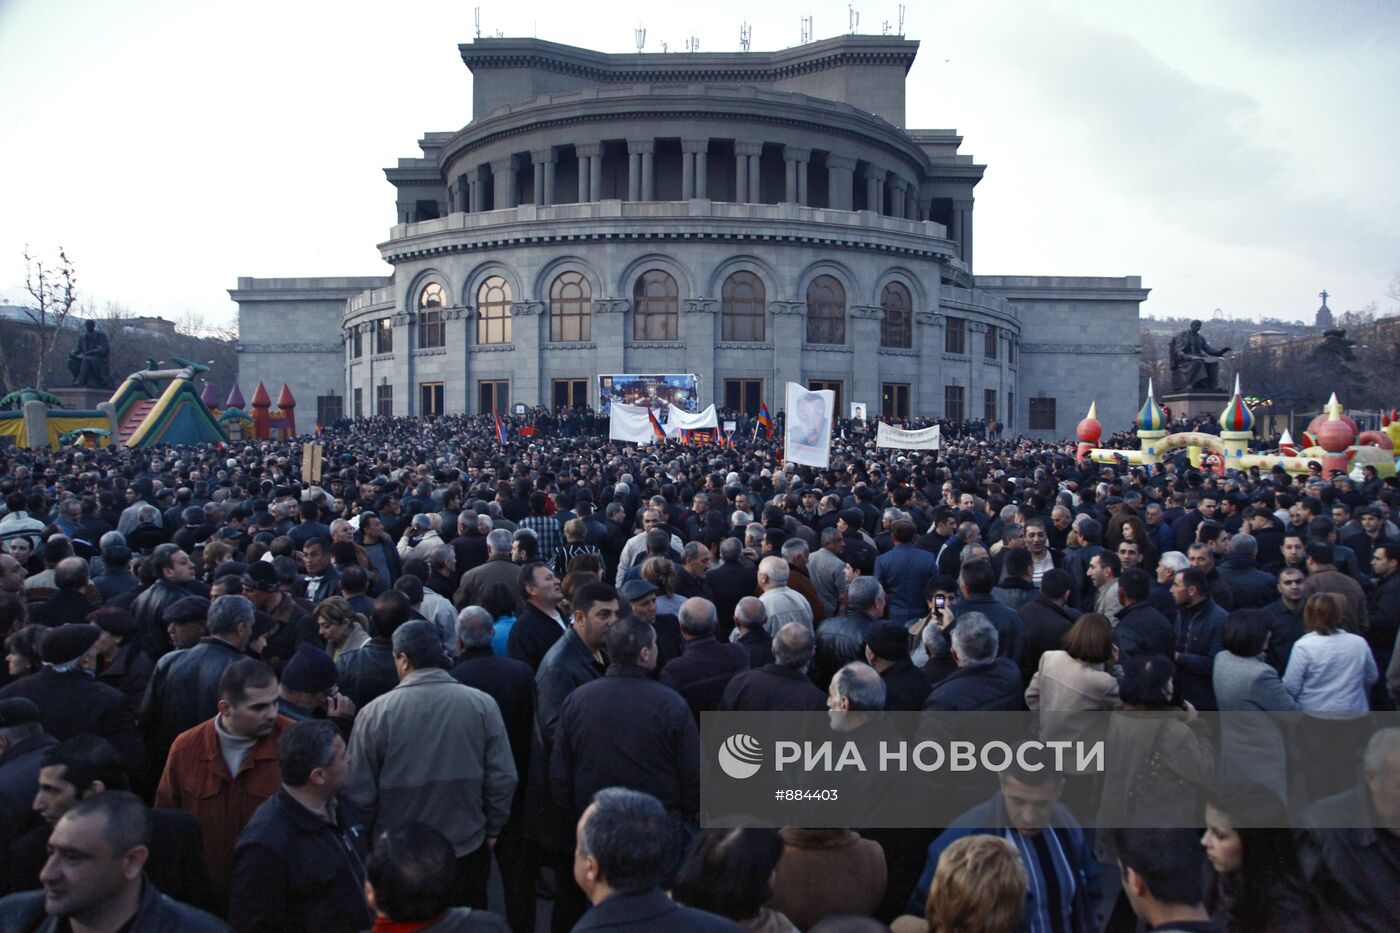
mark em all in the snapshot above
pixel 741 308
pixel 895 329
pixel 432 329
pixel 570 308
pixel 654 306
pixel 493 311
pixel 826 311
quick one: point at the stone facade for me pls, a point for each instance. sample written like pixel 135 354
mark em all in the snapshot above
pixel 754 218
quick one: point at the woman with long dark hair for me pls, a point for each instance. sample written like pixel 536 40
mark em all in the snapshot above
pixel 1253 879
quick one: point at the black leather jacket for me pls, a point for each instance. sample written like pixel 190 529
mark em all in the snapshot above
pixel 24 913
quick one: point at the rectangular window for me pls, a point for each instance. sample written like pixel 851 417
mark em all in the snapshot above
pixel 894 400
pixel 494 395
pixel 357 342
pixel 1010 409
pixel 384 336
pixel 432 329
pixel 1042 414
pixel 384 400
pixel 570 393
pixel 743 395
pixel 989 405
pixel 989 343
pixel 955 336
pixel 430 398
pixel 835 386
pixel 1011 351
pixel 329 409
pixel 953 403
pixel 359 403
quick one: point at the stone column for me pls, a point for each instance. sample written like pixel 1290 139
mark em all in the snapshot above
pixel 459 197
pixel 896 197
pixel 474 193
pixel 590 171
pixel 925 206
pixel 696 160
pixel 634 171
pixel 649 172
pixel 796 164
pixel 788 334
pixel 746 153
pixel 865 340
pixel 503 171
pixel 911 203
pixel 874 189
pixel 699 331
pixel 926 395
pixel 544 175
pixel 609 321
pixel 401 368
pixel 962 221
pixel 840 181
pixel 525 336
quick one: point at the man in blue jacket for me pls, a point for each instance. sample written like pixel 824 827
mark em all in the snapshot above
pixel 902 571
pixel 1200 620
pixel 1061 869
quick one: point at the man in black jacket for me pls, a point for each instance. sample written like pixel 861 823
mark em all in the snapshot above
pixel 184 689
pixel 539 624
pixel 70 604
pixel 1141 631
pixel 706 665
pixel 299 865
pixel 751 631
pixel 887 651
pixel 1250 587
pixel 976 582
pixel 1285 618
pixel 511 684
pixel 730 582
pixel 841 639
pixel 368 671
pixel 1047 618
pixel 983 680
pixel 99 883
pixel 782 685
pixel 175 579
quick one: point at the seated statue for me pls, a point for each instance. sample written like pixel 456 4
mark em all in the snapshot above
pixel 88 363
pixel 1195 363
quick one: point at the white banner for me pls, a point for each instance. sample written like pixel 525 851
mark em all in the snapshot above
pixel 678 420
pixel 925 439
pixel 807 431
pixel 630 423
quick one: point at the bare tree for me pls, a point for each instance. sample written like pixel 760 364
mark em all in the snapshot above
pixel 54 288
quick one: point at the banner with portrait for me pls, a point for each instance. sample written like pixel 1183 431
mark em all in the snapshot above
pixel 923 439
pixel 807 431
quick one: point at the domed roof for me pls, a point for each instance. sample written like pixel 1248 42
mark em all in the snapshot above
pixel 1151 417
pixel 1237 416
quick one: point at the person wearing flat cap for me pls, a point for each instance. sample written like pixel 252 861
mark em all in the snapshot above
pixel 71 701
pixel 120 661
pixel 185 621
pixel 308 690
pixel 887 650
pixel 23 742
pixel 669 643
pixel 292 625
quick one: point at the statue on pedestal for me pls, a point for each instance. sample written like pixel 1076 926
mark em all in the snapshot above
pixel 88 363
pixel 1195 363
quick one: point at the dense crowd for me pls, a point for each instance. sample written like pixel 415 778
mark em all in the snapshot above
pixel 455 684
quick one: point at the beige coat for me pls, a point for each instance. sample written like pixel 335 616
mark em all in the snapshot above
pixel 827 872
pixel 1066 685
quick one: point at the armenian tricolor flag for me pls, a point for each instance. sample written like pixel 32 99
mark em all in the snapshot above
pixel 656 429
pixel 500 428
pixel 765 419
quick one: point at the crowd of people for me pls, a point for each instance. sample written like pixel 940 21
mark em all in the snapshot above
pixel 237 698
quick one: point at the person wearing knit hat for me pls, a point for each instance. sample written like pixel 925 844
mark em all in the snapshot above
pixel 120 661
pixel 308 690
pixel 887 650
pixel 185 621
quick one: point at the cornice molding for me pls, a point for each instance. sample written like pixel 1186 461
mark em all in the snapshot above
pixel 336 348
pixel 610 305
pixel 1091 348
pixel 654 345
pixel 492 348
pixel 700 305
pixel 827 348
pixel 798 308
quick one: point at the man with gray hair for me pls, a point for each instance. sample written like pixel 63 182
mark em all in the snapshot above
pixel 184 688
pixel 1250 587
pixel 731 581
pixel 436 751
pixel 983 681
pixel 782 604
pixel 856 688
pixel 783 684
pixel 706 665
pixel 511 684
pixel 497 571
pixel 751 631
pixel 795 551
pixel 827 569
pixel 69 604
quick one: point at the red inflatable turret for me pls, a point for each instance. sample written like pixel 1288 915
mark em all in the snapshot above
pixel 261 403
pixel 287 405
pixel 1089 432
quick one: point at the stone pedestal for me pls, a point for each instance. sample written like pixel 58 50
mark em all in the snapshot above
pixel 1194 403
pixel 81 398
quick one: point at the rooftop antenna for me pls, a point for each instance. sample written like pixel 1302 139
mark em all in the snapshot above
pixel 745 35
pixel 853 15
pixel 641 37
pixel 901 20
pixel 693 43
pixel 806 29
pixel 478 22
pixel 885 28
pixel 664 47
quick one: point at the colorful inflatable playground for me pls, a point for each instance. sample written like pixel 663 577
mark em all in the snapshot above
pixel 1333 441
pixel 151 407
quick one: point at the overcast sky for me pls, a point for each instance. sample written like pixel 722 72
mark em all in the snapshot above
pixel 1237 155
